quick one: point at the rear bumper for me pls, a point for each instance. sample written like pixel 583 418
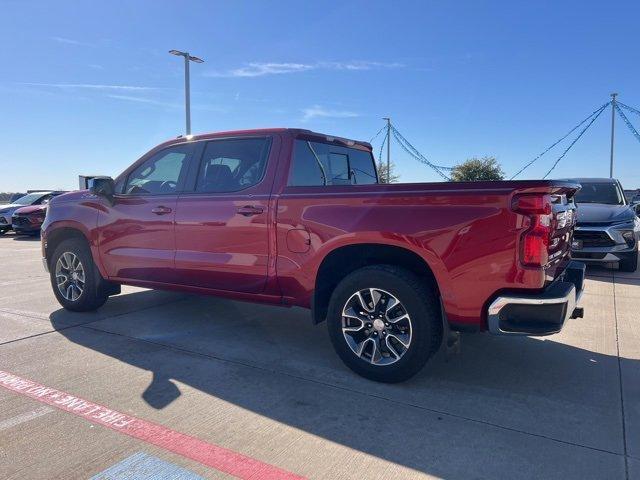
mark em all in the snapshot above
pixel 538 314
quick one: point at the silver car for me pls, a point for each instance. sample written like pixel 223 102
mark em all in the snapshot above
pixel 34 198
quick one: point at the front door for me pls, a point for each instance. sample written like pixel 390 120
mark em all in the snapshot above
pixel 222 239
pixel 137 240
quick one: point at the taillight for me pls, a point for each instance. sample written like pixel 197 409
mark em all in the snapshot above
pixel 534 250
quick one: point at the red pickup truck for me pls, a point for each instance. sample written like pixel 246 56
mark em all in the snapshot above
pixel 293 217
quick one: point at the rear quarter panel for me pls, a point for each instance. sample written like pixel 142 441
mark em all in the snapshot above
pixel 468 237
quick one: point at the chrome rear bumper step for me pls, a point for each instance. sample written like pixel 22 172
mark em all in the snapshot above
pixel 539 314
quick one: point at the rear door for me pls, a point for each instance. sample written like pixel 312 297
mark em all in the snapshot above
pixel 222 223
pixel 137 239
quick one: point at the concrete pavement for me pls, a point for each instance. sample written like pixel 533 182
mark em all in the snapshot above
pixel 264 383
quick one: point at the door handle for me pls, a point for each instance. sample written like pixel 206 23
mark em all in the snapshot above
pixel 249 210
pixel 161 210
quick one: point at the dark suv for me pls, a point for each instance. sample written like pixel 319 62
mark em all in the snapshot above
pixel 608 228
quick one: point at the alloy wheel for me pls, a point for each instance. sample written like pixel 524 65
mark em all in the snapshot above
pixel 70 277
pixel 376 326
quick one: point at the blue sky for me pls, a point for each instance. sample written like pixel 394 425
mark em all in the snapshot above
pixel 87 87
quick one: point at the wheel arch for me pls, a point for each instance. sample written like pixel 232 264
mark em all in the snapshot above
pixel 56 234
pixel 345 259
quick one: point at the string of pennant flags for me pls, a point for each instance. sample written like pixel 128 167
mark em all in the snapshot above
pixel 581 128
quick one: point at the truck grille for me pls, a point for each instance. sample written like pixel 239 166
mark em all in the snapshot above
pixel 593 238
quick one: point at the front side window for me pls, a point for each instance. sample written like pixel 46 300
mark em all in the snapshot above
pixel 161 174
pixel 231 165
pixel 319 164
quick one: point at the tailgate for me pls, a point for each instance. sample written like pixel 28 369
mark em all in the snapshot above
pixel 562 225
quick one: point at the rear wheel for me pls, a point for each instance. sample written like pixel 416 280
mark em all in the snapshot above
pixel 384 323
pixel 74 277
pixel 629 263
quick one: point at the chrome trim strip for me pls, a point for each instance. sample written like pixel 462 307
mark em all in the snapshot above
pixel 493 313
pixel 45 265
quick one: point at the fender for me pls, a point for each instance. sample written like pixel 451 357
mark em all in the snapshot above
pixel 81 217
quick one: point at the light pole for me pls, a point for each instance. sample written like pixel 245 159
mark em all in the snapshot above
pixel 613 129
pixel 388 148
pixel 187 94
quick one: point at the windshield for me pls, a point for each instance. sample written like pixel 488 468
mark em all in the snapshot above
pixel 29 199
pixel 607 193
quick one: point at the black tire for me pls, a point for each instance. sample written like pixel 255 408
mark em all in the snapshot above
pixel 417 298
pixel 629 263
pixel 91 297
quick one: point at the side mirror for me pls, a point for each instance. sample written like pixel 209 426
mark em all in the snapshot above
pixel 103 187
pixel 636 207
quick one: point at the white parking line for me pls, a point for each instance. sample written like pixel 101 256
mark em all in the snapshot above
pixel 24 417
pixel 22 313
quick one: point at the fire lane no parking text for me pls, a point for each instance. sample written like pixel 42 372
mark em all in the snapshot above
pixel 208 454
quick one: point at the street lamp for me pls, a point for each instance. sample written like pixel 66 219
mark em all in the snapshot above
pixel 187 95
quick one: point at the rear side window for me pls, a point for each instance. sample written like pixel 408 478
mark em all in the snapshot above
pixel 231 165
pixel 319 164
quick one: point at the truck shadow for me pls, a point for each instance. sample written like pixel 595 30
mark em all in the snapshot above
pixel 497 392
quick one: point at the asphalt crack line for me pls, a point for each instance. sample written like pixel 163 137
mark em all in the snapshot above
pixel 624 419
pixel 358 392
pixel 84 323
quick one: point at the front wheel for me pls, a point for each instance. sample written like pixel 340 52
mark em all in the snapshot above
pixel 74 277
pixel 384 323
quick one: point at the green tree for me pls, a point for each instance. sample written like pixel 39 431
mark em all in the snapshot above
pixel 475 169
pixel 383 175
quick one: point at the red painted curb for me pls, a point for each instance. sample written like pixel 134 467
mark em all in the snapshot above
pixel 208 454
